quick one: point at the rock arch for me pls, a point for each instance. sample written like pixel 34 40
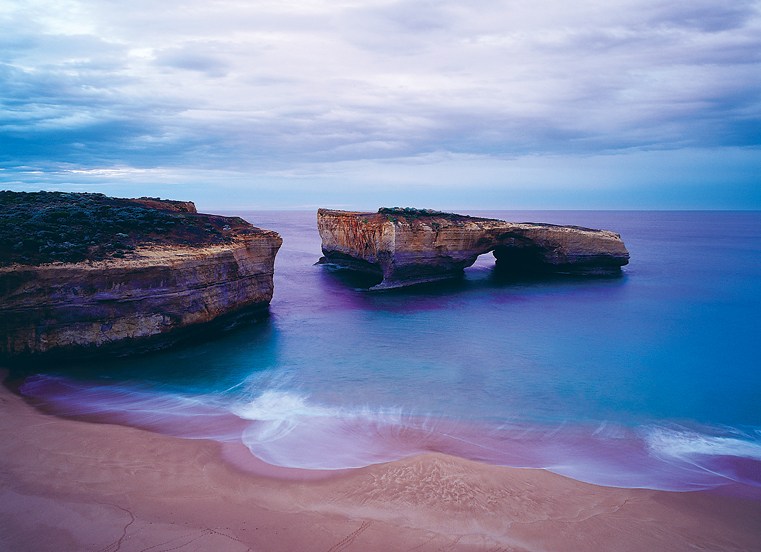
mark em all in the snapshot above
pixel 411 246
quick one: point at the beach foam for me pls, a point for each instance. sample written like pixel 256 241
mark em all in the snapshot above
pixel 287 429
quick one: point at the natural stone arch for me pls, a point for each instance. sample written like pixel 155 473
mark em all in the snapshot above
pixel 410 246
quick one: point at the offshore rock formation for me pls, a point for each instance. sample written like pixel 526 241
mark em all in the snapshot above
pixel 157 286
pixel 410 246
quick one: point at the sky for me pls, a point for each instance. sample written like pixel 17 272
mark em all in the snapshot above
pixel 450 104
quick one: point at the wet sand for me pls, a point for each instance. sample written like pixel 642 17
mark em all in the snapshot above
pixel 70 485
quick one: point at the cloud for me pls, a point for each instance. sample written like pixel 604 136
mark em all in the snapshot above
pixel 705 15
pixel 201 56
pixel 264 85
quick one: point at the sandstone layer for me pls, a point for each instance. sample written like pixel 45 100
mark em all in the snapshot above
pixel 410 246
pixel 144 297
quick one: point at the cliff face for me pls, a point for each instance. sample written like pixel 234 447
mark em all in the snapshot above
pixel 408 246
pixel 142 298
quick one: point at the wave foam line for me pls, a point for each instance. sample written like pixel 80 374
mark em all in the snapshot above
pixel 286 429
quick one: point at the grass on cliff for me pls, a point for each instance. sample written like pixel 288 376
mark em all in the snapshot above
pixel 44 227
pixel 411 213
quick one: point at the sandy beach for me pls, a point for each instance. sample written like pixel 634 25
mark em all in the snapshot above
pixel 71 485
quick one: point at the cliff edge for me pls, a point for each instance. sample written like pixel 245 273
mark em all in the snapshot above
pixel 410 246
pixel 84 274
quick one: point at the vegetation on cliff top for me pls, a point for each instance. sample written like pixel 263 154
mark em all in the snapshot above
pixel 413 213
pixel 44 227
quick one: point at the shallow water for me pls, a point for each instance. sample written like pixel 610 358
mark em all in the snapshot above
pixel 650 379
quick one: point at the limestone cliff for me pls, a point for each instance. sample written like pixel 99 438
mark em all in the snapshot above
pixel 148 293
pixel 409 246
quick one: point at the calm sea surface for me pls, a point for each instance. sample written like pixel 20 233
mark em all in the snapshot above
pixel 651 379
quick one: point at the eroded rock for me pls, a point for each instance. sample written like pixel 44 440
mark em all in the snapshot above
pixel 410 246
pixel 153 290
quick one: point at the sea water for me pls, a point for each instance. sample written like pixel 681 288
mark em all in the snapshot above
pixel 648 379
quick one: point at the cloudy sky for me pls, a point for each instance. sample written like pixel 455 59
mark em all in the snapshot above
pixel 361 103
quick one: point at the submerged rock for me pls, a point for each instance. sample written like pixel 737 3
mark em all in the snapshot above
pixel 136 275
pixel 410 246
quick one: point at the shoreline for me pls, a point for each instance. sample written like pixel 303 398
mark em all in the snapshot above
pixel 75 485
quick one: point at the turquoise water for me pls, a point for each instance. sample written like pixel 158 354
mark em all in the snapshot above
pixel 650 379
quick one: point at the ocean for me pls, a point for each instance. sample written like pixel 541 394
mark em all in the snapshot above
pixel 648 379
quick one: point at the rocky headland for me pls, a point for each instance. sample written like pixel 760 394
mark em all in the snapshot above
pixel 411 246
pixel 85 274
